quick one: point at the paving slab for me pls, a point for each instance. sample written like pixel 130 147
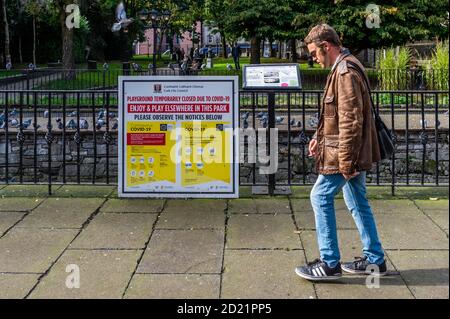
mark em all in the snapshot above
pixel 83 191
pixel 62 213
pixel 102 274
pixel 178 286
pixel 188 219
pixel 409 231
pixel 39 191
pixel 183 251
pixel 25 250
pixel 363 287
pixel 304 205
pixel 440 205
pixel 199 205
pixel 133 206
pixel 393 206
pixel 425 272
pixel 423 192
pixel 438 211
pixel 8 219
pixel 126 231
pixel 306 220
pixel 262 231
pixel 264 274
pixel 242 206
pixel 16 286
pixel 18 205
pixel 278 205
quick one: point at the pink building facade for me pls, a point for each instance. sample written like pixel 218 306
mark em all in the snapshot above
pixel 184 42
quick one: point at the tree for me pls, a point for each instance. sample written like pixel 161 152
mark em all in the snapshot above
pixel 256 20
pixel 6 31
pixel 400 21
pixel 34 8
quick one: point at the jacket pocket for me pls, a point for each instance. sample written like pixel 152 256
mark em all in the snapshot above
pixel 329 106
pixel 331 152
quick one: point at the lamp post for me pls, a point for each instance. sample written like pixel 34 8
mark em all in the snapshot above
pixel 154 17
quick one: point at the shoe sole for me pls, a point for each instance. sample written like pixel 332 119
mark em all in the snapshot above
pixel 362 272
pixel 312 278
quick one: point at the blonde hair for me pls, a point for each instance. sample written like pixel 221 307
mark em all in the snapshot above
pixel 321 33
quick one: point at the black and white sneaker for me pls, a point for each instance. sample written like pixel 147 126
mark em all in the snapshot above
pixel 361 265
pixel 319 271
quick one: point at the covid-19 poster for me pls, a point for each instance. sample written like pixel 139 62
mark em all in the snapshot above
pixel 178 136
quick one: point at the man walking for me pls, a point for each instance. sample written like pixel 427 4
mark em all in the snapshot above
pixel 345 146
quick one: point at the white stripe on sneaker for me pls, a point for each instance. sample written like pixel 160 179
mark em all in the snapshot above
pixel 314 271
pixel 323 271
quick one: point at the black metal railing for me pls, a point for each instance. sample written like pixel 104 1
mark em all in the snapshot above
pixel 70 137
pixel 312 79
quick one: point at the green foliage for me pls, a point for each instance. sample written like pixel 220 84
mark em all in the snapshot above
pixel 393 69
pixel 439 63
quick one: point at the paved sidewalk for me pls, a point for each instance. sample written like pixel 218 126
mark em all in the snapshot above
pixel 242 248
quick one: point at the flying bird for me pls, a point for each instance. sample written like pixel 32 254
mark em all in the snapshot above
pixel 121 16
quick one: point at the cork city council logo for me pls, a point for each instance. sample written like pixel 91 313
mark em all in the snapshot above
pixel 157 88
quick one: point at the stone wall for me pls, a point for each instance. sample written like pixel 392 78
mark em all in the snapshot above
pixel 95 165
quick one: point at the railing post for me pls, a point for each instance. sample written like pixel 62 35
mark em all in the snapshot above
pixel 271 111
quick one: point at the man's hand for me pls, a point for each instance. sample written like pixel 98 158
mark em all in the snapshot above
pixel 312 148
pixel 347 177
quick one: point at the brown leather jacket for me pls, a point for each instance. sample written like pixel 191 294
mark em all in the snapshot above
pixel 346 134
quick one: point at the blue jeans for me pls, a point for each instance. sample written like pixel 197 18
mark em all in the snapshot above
pixel 322 200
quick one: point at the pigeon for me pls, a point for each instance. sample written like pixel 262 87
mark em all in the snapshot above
pixel 84 125
pixel 9 66
pixel 112 115
pixel 2 125
pixel 299 124
pixel 14 123
pixel 99 124
pixel 121 16
pixel 73 114
pixel 279 119
pixel 60 124
pixel 245 123
pixel 101 114
pixel 2 116
pixel 13 112
pixel 245 115
pixel 71 124
pixel 115 126
pixel 265 122
pixel 229 67
pixel 203 66
pixel 26 123
pixel 292 122
pixel 46 114
pixel 260 115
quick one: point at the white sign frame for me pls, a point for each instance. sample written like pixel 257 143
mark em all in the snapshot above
pixel 233 81
pixel 256 76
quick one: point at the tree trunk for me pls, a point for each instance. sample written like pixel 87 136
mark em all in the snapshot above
pixel 279 50
pixel 271 50
pixel 6 31
pixel 293 55
pixel 224 45
pixel 68 59
pixel 255 50
pixel 20 50
pixel 34 40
